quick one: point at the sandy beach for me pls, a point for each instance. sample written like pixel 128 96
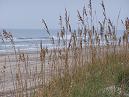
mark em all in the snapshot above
pixel 26 75
pixel 28 70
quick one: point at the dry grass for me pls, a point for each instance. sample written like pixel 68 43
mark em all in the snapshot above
pixel 81 68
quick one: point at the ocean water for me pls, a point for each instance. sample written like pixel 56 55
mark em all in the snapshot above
pixel 30 39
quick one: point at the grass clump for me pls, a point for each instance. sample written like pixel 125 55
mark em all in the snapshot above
pixel 93 80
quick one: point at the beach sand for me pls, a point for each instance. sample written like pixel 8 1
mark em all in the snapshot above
pixel 14 71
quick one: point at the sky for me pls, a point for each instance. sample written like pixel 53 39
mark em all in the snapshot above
pixel 27 14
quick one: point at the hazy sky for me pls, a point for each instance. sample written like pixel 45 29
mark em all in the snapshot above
pixel 27 14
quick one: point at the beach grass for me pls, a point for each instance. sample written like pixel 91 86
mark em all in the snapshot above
pixel 92 80
pixel 94 62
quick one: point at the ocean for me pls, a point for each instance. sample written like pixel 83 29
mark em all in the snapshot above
pixel 30 39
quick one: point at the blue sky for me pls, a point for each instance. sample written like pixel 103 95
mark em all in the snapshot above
pixel 27 14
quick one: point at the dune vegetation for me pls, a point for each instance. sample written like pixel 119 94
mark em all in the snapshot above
pixel 93 62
